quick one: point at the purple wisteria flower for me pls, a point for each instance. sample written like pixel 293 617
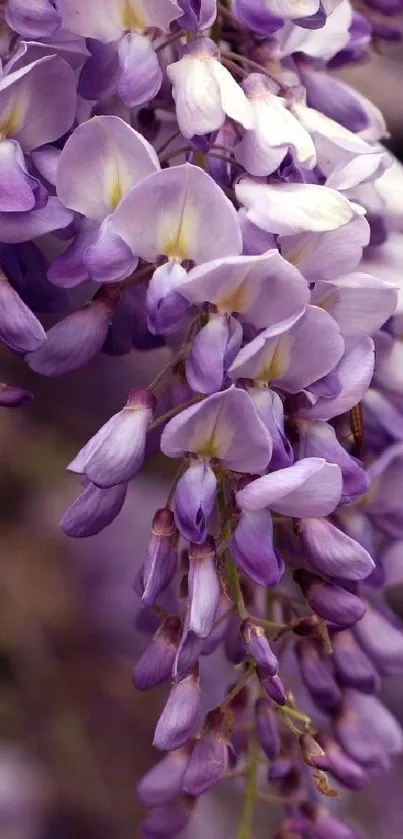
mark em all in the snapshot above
pixel 187 177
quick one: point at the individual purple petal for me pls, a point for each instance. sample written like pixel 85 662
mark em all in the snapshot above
pixel 156 663
pixel 182 715
pixel 366 730
pixel 292 208
pixel 258 647
pixel 33 19
pixel 195 497
pixel 163 782
pixel 252 548
pixel 165 304
pixel 116 452
pixel 326 256
pixel 263 289
pixel 101 161
pixel 319 439
pixel 267 728
pixel 108 259
pixel 20 330
pixel 359 303
pixel 224 426
pixel 289 356
pixel 31 98
pixel 271 411
pixel 212 352
pixel 334 98
pixel 378 409
pixel 17 186
pixel 381 641
pixel 140 71
pixel 209 758
pixel 112 18
pixel 180 213
pixel 316 822
pixel 166 821
pixel 197 14
pixel 188 653
pixel 14 397
pixel 204 90
pixel 332 552
pixel 330 601
pixel 75 340
pixel 21 227
pixel 204 588
pixel 275 132
pixel 355 372
pixel 310 487
pixel 252 15
pixel 93 510
pixel 353 667
pixel 317 674
pixel 161 559
pixel 100 75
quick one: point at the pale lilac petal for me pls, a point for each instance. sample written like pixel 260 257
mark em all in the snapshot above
pixel 181 213
pixel 226 425
pixel 334 553
pixel 270 409
pixel 318 43
pixel 355 372
pixel 181 717
pixel 34 19
pixel 108 259
pixel 264 289
pixel 110 19
pixel 359 303
pixel 16 185
pixel 101 161
pixel 295 208
pixel 197 14
pixel 73 342
pixel 46 161
pixel 21 227
pixel 252 548
pixel 93 510
pixel 213 350
pixel 68 270
pixel 326 256
pixel 165 305
pixel 163 782
pixel 311 487
pixel 195 497
pixel 141 74
pixel 319 439
pixel 291 8
pixel 30 102
pixel 20 330
pixel 204 589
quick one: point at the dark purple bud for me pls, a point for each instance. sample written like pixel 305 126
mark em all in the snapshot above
pixel 353 667
pixel 195 497
pixel 332 552
pixel 116 452
pixel 164 781
pixel 258 647
pixel 381 641
pixel 14 397
pixel 204 588
pixel 273 686
pixel 339 764
pixel 317 673
pixel 182 716
pixel 209 758
pixel 20 330
pixel 93 510
pixel 329 600
pixel 167 821
pixel 267 729
pixel 156 663
pixel 161 560
pixel 233 643
pixel 280 768
pixel 252 548
pixel 75 341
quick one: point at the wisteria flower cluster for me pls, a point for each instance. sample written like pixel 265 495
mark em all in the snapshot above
pixel 215 189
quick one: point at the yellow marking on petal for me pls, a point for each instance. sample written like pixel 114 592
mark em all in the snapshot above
pixel 11 122
pixel 115 194
pixel 132 18
pixel 208 450
pixel 234 301
pixel 278 363
pixel 176 237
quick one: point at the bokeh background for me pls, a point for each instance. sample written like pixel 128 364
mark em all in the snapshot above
pixel 74 734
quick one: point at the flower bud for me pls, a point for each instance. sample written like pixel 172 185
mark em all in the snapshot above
pixel 204 588
pixel 259 648
pixel 266 728
pixel 164 781
pixel 167 821
pixel 317 673
pixel 353 667
pixel 14 397
pixel 161 559
pixel 156 663
pixel 332 552
pixel 329 600
pixel 273 686
pixel 182 715
pixel 209 758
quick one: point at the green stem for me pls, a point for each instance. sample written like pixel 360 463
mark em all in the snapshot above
pixel 298 715
pixel 240 684
pixel 244 831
